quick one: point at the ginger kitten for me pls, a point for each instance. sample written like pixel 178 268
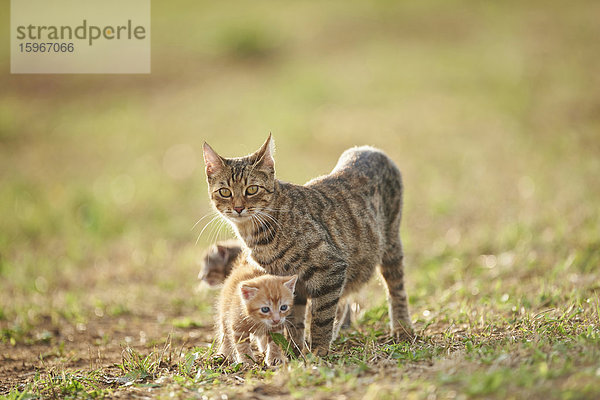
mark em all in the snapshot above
pixel 221 257
pixel 253 303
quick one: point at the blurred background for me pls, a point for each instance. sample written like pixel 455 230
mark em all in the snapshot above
pixel 490 109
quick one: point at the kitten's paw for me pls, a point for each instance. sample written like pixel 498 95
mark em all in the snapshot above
pixel 275 361
pixel 246 360
pixel 246 363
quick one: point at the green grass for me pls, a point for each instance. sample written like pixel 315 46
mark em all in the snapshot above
pixel 490 110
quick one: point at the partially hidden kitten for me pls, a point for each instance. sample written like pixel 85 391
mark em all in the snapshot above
pixel 221 257
pixel 253 304
pixel 218 261
pixel 333 231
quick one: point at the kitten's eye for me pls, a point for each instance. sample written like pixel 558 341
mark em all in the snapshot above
pixel 225 192
pixel 283 307
pixel 251 190
pixel 265 309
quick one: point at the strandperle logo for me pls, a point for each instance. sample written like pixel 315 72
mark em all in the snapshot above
pixel 75 36
pixel 86 31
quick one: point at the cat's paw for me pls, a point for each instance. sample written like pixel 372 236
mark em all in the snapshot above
pixel 320 351
pixel 403 332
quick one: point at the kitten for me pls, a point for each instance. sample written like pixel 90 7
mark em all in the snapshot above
pixel 333 231
pixel 253 303
pixel 218 262
pixel 222 256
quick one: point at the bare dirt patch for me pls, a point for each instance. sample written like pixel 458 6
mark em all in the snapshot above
pixel 96 345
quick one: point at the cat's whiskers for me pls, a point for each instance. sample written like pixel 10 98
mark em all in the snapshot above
pixel 222 223
pixel 290 323
pixel 213 212
pixel 254 223
pixel 212 231
pixel 216 232
pixel 256 327
pixel 267 224
pixel 270 218
pixel 256 220
pixel 275 209
pixel 256 217
pixel 266 214
pixel 246 318
pixel 254 322
pixel 207 224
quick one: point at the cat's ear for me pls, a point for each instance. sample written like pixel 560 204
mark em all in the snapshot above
pixel 214 162
pixel 248 292
pixel 291 283
pixel 264 155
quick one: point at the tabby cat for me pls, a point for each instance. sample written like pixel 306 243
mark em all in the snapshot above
pixel 253 303
pixel 218 262
pixel 333 231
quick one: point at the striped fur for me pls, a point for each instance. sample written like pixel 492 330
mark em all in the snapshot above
pixel 333 231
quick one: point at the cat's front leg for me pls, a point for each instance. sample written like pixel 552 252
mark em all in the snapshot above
pixel 342 317
pixel 296 328
pixel 325 288
pixel 323 311
pixel 243 349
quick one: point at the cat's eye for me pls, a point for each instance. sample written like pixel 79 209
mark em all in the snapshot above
pixel 265 309
pixel 225 192
pixel 253 189
pixel 283 307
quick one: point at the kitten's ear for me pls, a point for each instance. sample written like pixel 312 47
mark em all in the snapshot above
pixel 214 162
pixel 264 155
pixel 223 251
pixel 291 283
pixel 248 292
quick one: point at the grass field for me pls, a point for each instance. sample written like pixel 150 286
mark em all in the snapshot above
pixel 491 110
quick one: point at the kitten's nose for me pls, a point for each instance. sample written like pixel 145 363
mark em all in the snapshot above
pixel 239 209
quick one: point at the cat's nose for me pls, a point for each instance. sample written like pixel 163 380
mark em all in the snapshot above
pixel 238 209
